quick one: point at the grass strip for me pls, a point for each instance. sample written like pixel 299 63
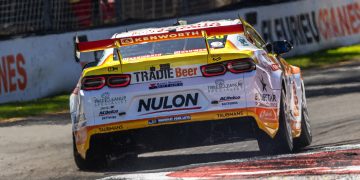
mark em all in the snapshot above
pixel 326 57
pixel 35 107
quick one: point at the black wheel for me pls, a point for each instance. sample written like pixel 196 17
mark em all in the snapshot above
pixel 305 138
pixel 93 161
pixel 283 141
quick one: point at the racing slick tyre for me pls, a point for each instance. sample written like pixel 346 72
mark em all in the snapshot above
pixel 92 162
pixel 305 137
pixel 283 141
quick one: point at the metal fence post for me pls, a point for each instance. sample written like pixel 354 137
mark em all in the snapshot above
pixel 46 18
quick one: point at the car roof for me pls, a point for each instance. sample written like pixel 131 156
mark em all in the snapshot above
pixel 199 25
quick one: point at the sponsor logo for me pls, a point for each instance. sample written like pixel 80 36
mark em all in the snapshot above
pixel 162 74
pixel 113 69
pixel 126 40
pixel 222 86
pixel 167 102
pixel 313 26
pixel 154 37
pixel 229 98
pixel 216 58
pixel 108 112
pixel 242 41
pixel 13 75
pixel 230 114
pixel 265 99
pixel 267 114
pixel 263 84
pixel 107 107
pixel 229 103
pixel 165 84
pixel 169 119
pixel 106 100
pixel 110 128
pixel 108 117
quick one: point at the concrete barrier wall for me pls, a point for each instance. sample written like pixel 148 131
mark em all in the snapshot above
pixel 40 66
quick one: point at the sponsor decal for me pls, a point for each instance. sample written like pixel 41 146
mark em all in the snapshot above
pixel 108 112
pixel 265 99
pixel 242 41
pixel 162 74
pixel 113 69
pixel 263 84
pixel 179 28
pixel 155 37
pixel 106 100
pixel 216 58
pixel 108 117
pixel 144 56
pixel 222 86
pixel 229 98
pixel 110 128
pixel 13 76
pixel 267 114
pixel 169 119
pixel 229 103
pixel 313 26
pixel 165 84
pixel 107 107
pixel 230 114
pixel 168 102
pixel 189 51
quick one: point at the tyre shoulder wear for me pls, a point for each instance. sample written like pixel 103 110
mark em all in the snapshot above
pixel 305 137
pixel 283 141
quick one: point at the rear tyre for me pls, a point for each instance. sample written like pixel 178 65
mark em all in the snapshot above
pixel 305 138
pixel 93 161
pixel 283 141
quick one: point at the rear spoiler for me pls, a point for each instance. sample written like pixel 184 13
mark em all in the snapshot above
pixel 174 34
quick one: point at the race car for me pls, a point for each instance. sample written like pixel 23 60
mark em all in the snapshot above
pixel 186 85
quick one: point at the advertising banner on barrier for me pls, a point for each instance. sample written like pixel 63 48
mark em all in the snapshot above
pixel 40 66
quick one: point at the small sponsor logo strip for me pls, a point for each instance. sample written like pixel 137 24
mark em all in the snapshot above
pixel 165 84
pixel 169 119
pixel 106 100
pixel 223 86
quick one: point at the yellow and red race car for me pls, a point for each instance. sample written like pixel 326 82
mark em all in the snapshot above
pixel 187 85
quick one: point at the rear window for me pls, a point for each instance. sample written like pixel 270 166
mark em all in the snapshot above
pixel 169 47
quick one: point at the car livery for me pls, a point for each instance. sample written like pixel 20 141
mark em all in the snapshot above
pixel 152 87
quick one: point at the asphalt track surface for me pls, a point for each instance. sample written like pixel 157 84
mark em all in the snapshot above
pixel 40 147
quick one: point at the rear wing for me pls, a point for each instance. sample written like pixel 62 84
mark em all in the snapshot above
pixel 173 34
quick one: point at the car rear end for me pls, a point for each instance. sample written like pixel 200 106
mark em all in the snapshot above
pixel 166 101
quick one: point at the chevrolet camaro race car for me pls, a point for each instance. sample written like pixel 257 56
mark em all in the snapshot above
pixel 183 86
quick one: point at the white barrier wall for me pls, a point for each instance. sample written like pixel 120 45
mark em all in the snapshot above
pixel 40 66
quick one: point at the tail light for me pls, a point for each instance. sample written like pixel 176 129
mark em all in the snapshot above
pixel 234 66
pixel 98 82
pixel 240 66
pixel 118 80
pixel 93 83
pixel 213 70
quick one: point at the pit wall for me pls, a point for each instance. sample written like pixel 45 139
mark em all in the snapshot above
pixel 41 66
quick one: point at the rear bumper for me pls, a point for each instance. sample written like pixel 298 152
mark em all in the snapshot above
pixel 149 131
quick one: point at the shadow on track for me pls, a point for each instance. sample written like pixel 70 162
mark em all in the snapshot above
pixel 173 161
